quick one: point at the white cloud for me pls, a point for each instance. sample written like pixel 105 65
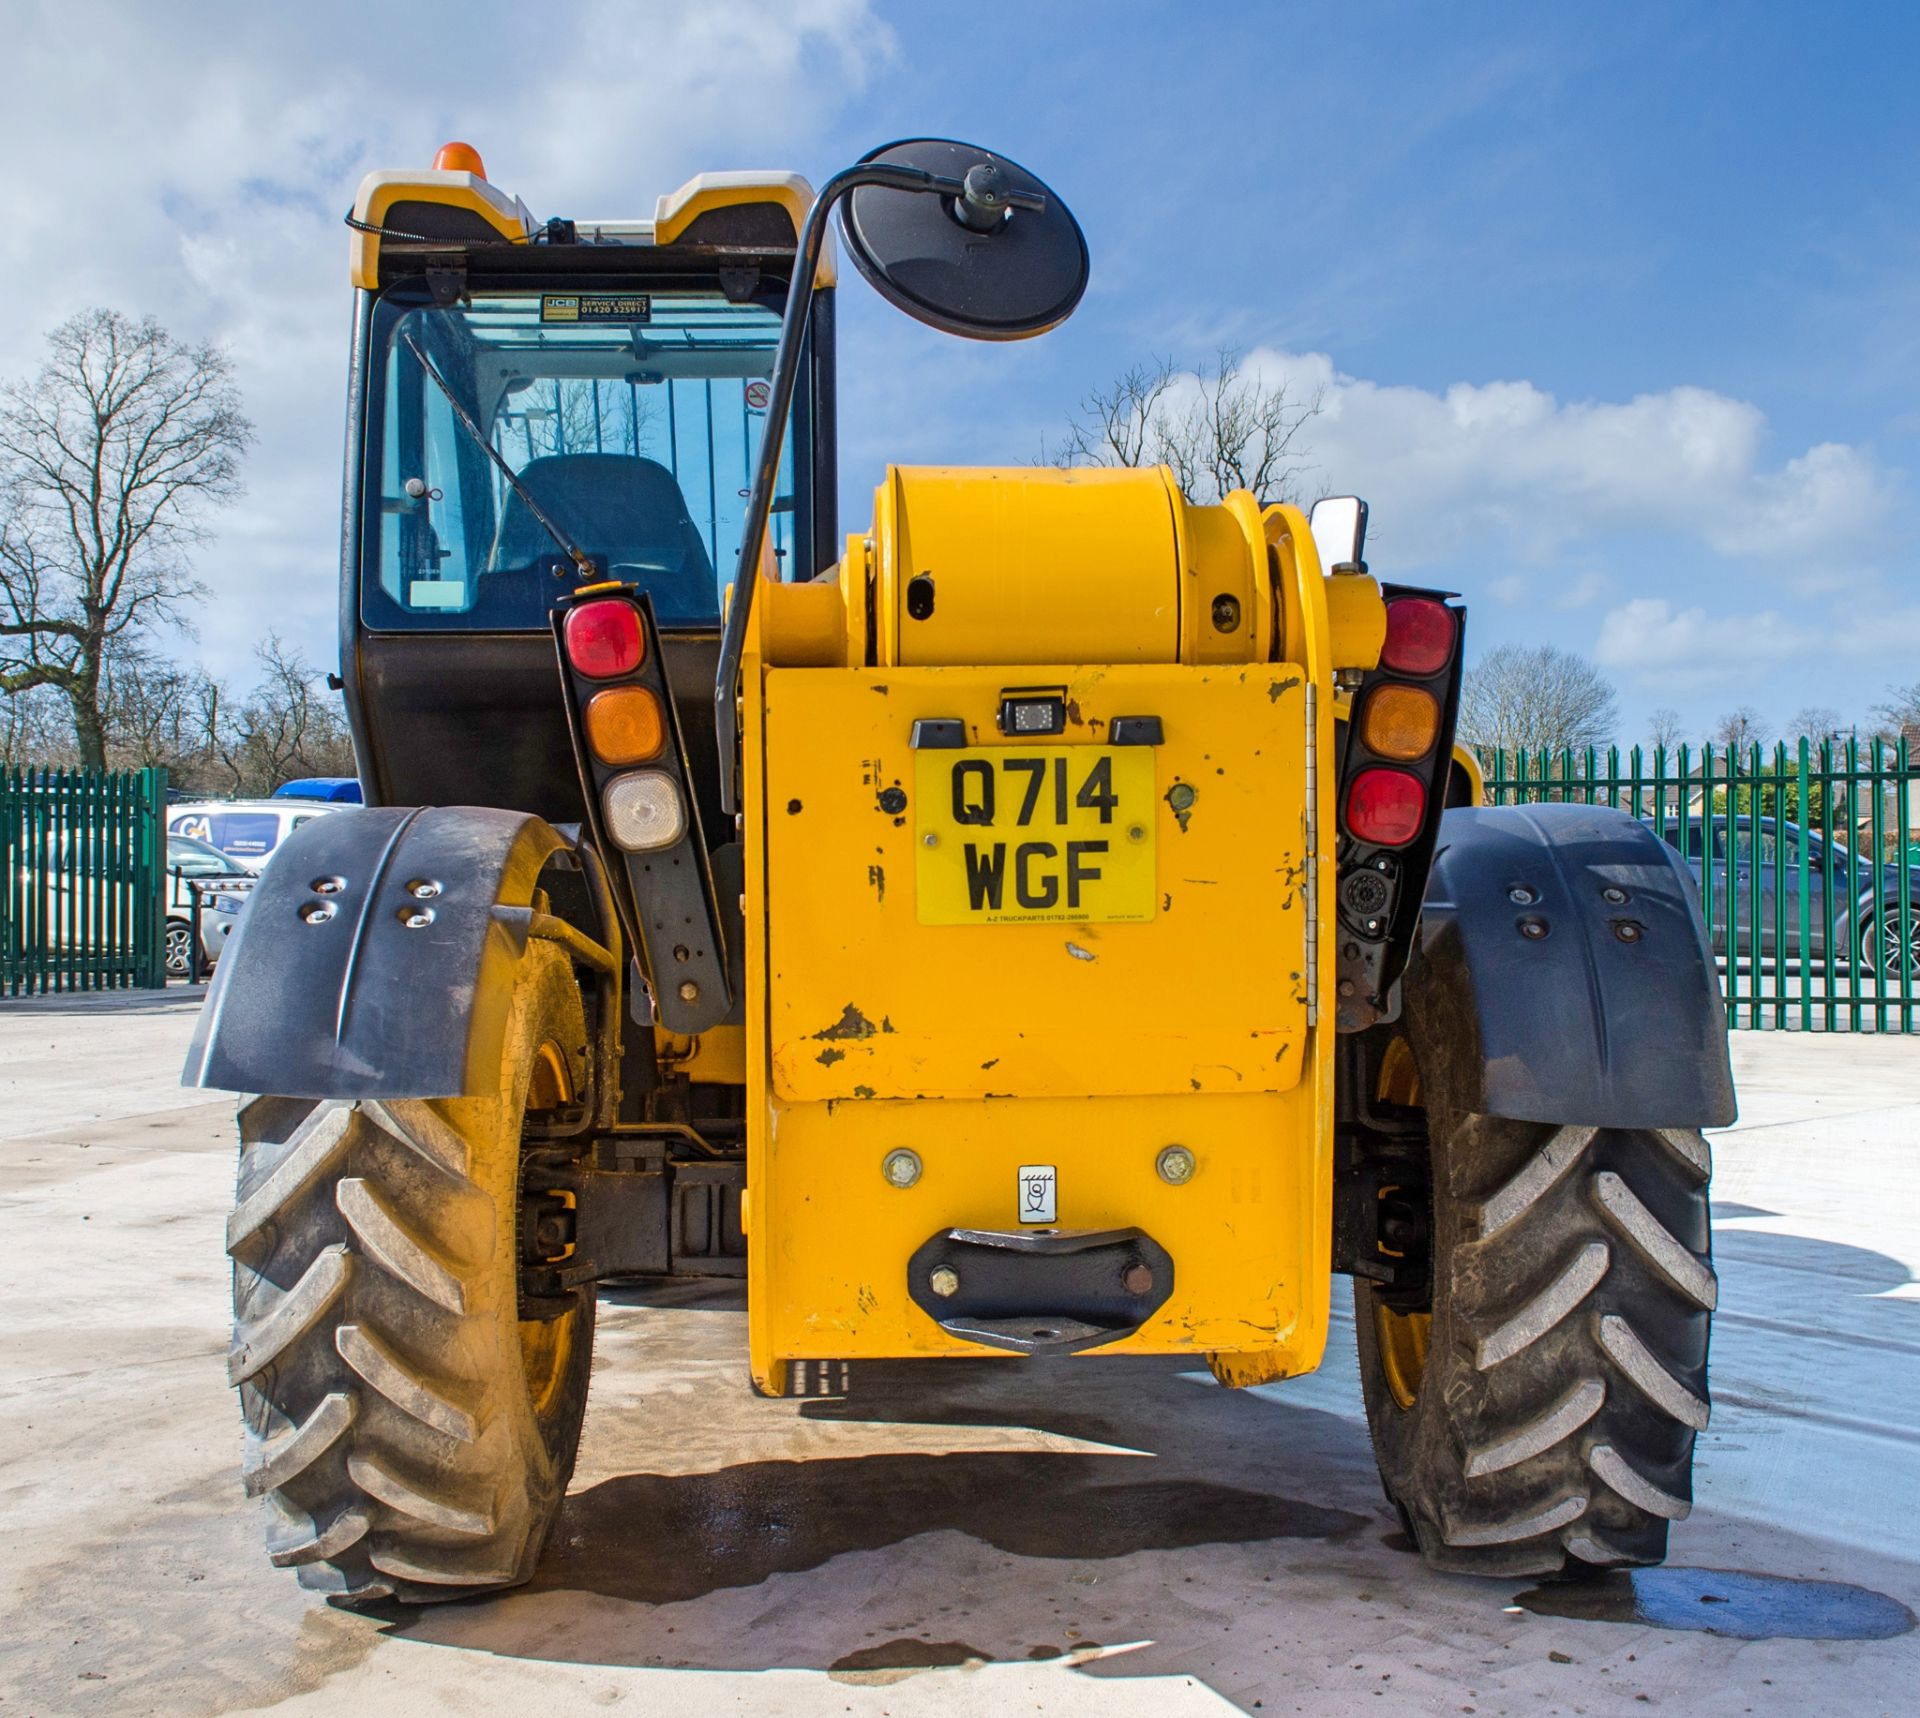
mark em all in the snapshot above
pixel 196 165
pixel 1649 637
pixel 1505 468
pixel 1651 640
pixel 1583 590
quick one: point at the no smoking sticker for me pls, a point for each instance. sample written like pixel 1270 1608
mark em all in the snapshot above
pixel 1038 1184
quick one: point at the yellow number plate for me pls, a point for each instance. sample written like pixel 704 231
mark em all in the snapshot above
pixel 1026 835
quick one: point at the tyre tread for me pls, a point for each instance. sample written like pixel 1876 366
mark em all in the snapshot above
pixel 376 1338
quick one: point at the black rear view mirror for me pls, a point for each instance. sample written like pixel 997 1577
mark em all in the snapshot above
pixel 1001 260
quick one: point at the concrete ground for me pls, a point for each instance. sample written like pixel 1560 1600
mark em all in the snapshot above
pixel 1095 1536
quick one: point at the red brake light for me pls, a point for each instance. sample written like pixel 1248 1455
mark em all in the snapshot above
pixel 1420 635
pixel 1385 807
pixel 604 639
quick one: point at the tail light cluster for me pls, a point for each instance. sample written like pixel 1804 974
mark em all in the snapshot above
pixel 1393 780
pixel 627 743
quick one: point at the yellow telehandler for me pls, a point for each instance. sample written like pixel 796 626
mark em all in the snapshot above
pixel 1054 919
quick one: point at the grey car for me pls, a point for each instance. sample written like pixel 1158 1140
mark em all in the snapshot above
pixel 1853 906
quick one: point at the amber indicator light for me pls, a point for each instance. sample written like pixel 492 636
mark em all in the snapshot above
pixel 1400 722
pixel 625 725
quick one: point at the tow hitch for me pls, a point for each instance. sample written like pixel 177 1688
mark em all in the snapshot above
pixel 1040 1290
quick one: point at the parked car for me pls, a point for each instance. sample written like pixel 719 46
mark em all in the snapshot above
pixel 223 885
pixel 1861 921
pixel 244 829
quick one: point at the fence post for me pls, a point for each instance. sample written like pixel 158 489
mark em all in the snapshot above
pixel 150 891
pixel 1909 934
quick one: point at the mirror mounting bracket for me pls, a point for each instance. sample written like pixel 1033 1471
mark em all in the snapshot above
pixel 739 282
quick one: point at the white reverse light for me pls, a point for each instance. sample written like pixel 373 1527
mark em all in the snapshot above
pixel 644 810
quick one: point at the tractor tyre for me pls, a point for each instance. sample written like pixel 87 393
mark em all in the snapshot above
pixel 412 1432
pixel 1537 1413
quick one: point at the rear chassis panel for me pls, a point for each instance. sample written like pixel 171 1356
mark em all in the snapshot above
pixel 978 1046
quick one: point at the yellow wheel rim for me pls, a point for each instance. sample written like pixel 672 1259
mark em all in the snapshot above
pixel 547 1343
pixel 1402 1337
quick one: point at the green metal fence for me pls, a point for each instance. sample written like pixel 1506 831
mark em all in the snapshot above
pixel 82 903
pixel 1807 859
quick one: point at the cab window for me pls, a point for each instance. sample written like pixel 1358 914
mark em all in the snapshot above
pixel 631 421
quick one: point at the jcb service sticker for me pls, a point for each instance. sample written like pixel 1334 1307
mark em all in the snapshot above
pixel 596 307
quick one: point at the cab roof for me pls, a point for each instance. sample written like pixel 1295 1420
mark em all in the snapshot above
pixel 428 221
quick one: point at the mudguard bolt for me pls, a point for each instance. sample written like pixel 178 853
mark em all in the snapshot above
pixel 1626 930
pixel 1614 897
pixel 1521 896
pixel 689 991
pixel 1533 929
pixel 944 1280
pixel 1175 1165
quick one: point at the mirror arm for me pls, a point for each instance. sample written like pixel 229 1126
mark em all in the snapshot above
pixel 786 370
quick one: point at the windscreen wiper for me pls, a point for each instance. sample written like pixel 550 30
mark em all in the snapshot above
pixel 581 560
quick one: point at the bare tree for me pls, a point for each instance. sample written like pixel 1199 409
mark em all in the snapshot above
pixel 1900 714
pixel 287 727
pixel 1536 697
pixel 35 730
pixel 1816 722
pixel 110 460
pixel 1740 729
pixel 1664 728
pixel 1219 428
pixel 163 715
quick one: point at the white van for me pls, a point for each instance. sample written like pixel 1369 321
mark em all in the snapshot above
pixel 246 829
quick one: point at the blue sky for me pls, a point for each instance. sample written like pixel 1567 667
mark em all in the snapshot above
pixel 1615 310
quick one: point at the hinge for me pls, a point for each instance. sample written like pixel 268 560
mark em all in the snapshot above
pixel 1313 854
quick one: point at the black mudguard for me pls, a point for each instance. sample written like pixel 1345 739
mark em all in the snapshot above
pixel 402 989
pixel 1611 1018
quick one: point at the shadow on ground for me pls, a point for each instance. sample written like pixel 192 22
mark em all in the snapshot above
pixel 1177 1511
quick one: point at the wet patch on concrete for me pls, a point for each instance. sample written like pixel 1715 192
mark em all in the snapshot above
pixel 1728 1602
pixel 904 1656
pixel 663 1539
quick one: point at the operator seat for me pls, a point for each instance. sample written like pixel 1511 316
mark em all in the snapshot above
pixel 619 505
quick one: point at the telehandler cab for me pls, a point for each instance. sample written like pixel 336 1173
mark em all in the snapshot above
pixel 1053 920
